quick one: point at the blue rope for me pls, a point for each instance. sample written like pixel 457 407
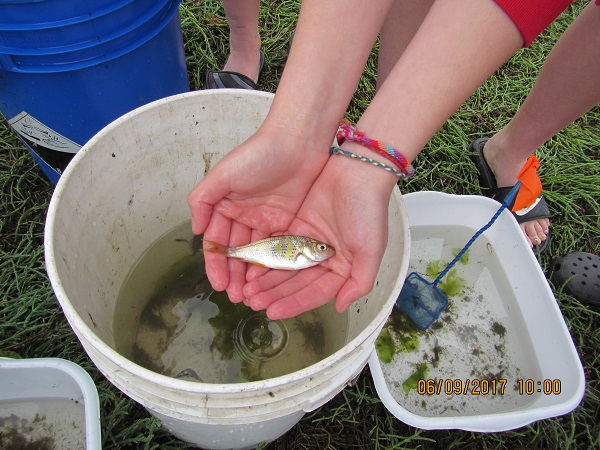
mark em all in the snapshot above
pixel 507 201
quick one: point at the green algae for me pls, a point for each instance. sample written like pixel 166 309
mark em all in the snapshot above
pixel 452 285
pixel 385 346
pixel 412 381
pixel 464 259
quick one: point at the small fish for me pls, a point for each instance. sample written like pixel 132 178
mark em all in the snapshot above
pixel 278 252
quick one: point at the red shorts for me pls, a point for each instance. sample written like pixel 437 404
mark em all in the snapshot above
pixel 532 16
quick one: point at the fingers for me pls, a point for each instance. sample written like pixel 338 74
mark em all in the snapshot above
pixel 278 284
pixel 227 273
pixel 311 296
pixel 203 197
pixel 287 294
pixel 217 266
pixel 360 283
pixel 349 293
pixel 199 209
pixel 200 213
pixel 240 235
pixel 255 271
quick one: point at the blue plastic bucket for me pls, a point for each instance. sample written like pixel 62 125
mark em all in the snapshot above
pixel 70 67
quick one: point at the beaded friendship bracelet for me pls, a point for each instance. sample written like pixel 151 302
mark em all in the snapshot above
pixel 339 151
pixel 347 132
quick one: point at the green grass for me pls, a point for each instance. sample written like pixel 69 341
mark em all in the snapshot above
pixel 32 324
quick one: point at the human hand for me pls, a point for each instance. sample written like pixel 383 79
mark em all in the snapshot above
pixel 253 192
pixel 347 207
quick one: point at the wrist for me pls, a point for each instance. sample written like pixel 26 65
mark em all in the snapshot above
pixel 400 165
pixel 312 129
pixel 386 130
pixel 296 138
pixel 371 171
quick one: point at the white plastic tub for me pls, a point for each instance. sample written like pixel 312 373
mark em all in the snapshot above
pixel 550 381
pixel 126 188
pixel 48 401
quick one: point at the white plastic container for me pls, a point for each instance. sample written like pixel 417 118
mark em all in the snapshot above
pixel 48 400
pixel 527 304
pixel 126 188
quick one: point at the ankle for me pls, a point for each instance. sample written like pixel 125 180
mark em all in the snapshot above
pixel 244 62
pixel 501 162
pixel 245 47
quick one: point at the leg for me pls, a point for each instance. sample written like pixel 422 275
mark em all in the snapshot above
pixel 567 87
pixel 401 24
pixel 244 39
pixel 429 82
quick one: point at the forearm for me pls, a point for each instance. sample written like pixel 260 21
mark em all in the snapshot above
pixel 332 42
pixel 458 46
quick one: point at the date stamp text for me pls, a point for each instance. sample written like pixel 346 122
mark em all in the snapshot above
pixel 476 386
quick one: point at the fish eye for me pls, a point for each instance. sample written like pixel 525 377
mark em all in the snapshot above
pixel 322 247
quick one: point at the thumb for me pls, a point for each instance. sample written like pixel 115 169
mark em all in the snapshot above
pixel 202 199
pixel 358 285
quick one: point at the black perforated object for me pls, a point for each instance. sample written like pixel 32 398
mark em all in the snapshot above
pixel 578 274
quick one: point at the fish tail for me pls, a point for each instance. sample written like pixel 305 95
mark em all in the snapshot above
pixel 215 247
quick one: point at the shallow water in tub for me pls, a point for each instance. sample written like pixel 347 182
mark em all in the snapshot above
pixel 478 348
pixel 42 423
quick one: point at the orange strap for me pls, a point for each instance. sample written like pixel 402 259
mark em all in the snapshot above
pixel 531 186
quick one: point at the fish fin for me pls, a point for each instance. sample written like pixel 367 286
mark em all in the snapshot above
pixel 215 247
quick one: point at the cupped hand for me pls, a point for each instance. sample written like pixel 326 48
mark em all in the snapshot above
pixel 347 207
pixel 253 192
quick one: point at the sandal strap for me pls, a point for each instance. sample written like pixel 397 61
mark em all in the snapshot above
pixel 224 79
pixel 539 210
pixel 487 179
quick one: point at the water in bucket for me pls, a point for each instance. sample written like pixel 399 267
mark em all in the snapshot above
pixel 183 329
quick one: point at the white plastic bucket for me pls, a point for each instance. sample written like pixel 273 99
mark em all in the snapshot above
pixel 528 305
pixel 125 189
pixel 51 400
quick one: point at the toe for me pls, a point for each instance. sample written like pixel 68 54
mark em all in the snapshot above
pixel 536 231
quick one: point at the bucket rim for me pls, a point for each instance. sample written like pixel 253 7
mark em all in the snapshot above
pixel 6 26
pixel 167 10
pixel 77 322
pixel 161 6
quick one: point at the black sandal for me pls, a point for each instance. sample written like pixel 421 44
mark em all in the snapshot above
pixel 225 79
pixel 578 274
pixel 489 188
